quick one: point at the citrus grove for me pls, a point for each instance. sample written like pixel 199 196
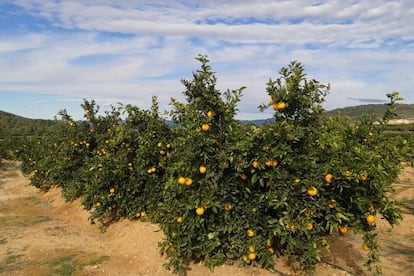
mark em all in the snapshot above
pixel 224 191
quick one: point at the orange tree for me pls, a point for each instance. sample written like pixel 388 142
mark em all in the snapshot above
pixel 124 177
pixel 201 190
pixel 243 192
pixel 334 174
pixel 225 191
pixel 56 159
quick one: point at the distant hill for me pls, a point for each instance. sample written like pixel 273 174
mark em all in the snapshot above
pixel 404 111
pixel 13 125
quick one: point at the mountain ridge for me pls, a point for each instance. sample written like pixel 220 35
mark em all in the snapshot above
pixel 15 125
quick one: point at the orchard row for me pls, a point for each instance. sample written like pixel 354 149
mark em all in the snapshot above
pixel 224 191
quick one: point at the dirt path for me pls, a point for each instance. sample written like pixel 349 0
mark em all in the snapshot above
pixel 40 234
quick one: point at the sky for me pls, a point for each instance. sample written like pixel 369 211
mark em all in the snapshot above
pixel 54 54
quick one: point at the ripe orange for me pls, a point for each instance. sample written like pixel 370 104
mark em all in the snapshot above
pixel 280 106
pixel 98 204
pixel 159 144
pixel 342 230
pixel 143 214
pixel 210 114
pixel 188 182
pixel 370 219
pixel 228 207
pixel 205 127
pixel 202 169
pixel 252 256
pixel 250 233
pixel 328 178
pixel 246 259
pixel 312 191
pixel 180 220
pixel 363 178
pixel 255 164
pixel 309 226
pixel 200 211
pixel 181 180
pixel 112 190
pixel 268 163
pixel 251 249
pixel 162 152
pixel 275 163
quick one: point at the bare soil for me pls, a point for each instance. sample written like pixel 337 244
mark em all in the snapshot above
pixel 40 234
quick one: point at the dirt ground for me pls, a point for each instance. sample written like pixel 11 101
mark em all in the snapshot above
pixel 40 234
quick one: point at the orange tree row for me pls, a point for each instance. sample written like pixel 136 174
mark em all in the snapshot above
pixel 222 190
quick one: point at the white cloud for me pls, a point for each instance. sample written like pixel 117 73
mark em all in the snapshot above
pixel 363 48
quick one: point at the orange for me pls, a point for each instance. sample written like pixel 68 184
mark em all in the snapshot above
pixel 328 178
pixel 312 191
pixel 246 259
pixel 251 249
pixel 255 164
pixel 205 127
pixel 162 152
pixel 143 214
pixel 180 220
pixel 280 106
pixel 188 182
pixel 250 233
pixel 228 207
pixel 159 144
pixel 363 178
pixel 297 181
pixel 365 247
pixel 342 230
pixel 98 204
pixel 112 190
pixel 275 163
pixel 309 226
pixel 252 256
pixel 181 180
pixel 271 250
pixel 202 169
pixel 200 211
pixel 210 114
pixel 268 163
pixel 370 219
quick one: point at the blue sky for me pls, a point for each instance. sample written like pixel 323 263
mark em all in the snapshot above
pixel 55 53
